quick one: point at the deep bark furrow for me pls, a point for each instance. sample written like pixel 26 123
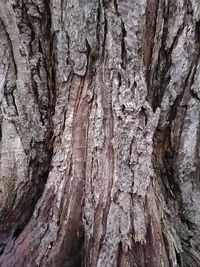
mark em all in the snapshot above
pixel 99 133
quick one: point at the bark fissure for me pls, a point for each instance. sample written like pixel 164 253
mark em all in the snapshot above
pixel 99 133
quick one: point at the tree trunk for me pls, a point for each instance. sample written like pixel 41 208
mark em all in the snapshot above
pixel 99 133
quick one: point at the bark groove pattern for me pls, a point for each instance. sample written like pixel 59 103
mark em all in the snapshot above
pixel 99 133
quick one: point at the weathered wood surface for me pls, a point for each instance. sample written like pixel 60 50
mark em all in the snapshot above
pixel 99 133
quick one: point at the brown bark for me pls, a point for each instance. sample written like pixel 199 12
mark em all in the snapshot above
pixel 99 133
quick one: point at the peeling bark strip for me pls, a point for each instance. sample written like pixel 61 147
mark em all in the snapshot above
pixel 99 133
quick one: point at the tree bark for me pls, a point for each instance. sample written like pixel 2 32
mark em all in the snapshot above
pixel 99 133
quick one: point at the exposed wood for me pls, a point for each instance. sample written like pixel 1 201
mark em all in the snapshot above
pixel 99 133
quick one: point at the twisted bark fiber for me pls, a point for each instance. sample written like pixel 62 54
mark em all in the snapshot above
pixel 99 133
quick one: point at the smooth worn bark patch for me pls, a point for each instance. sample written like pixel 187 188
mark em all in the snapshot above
pixel 99 133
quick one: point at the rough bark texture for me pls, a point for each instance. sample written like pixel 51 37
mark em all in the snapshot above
pixel 99 133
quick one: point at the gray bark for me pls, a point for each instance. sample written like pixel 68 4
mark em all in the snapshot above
pixel 99 133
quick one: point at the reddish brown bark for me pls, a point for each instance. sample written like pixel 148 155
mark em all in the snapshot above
pixel 99 133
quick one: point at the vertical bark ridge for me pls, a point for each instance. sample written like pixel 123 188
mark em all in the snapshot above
pixel 26 124
pixel 100 120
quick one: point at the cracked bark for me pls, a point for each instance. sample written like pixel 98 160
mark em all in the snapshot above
pixel 99 133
